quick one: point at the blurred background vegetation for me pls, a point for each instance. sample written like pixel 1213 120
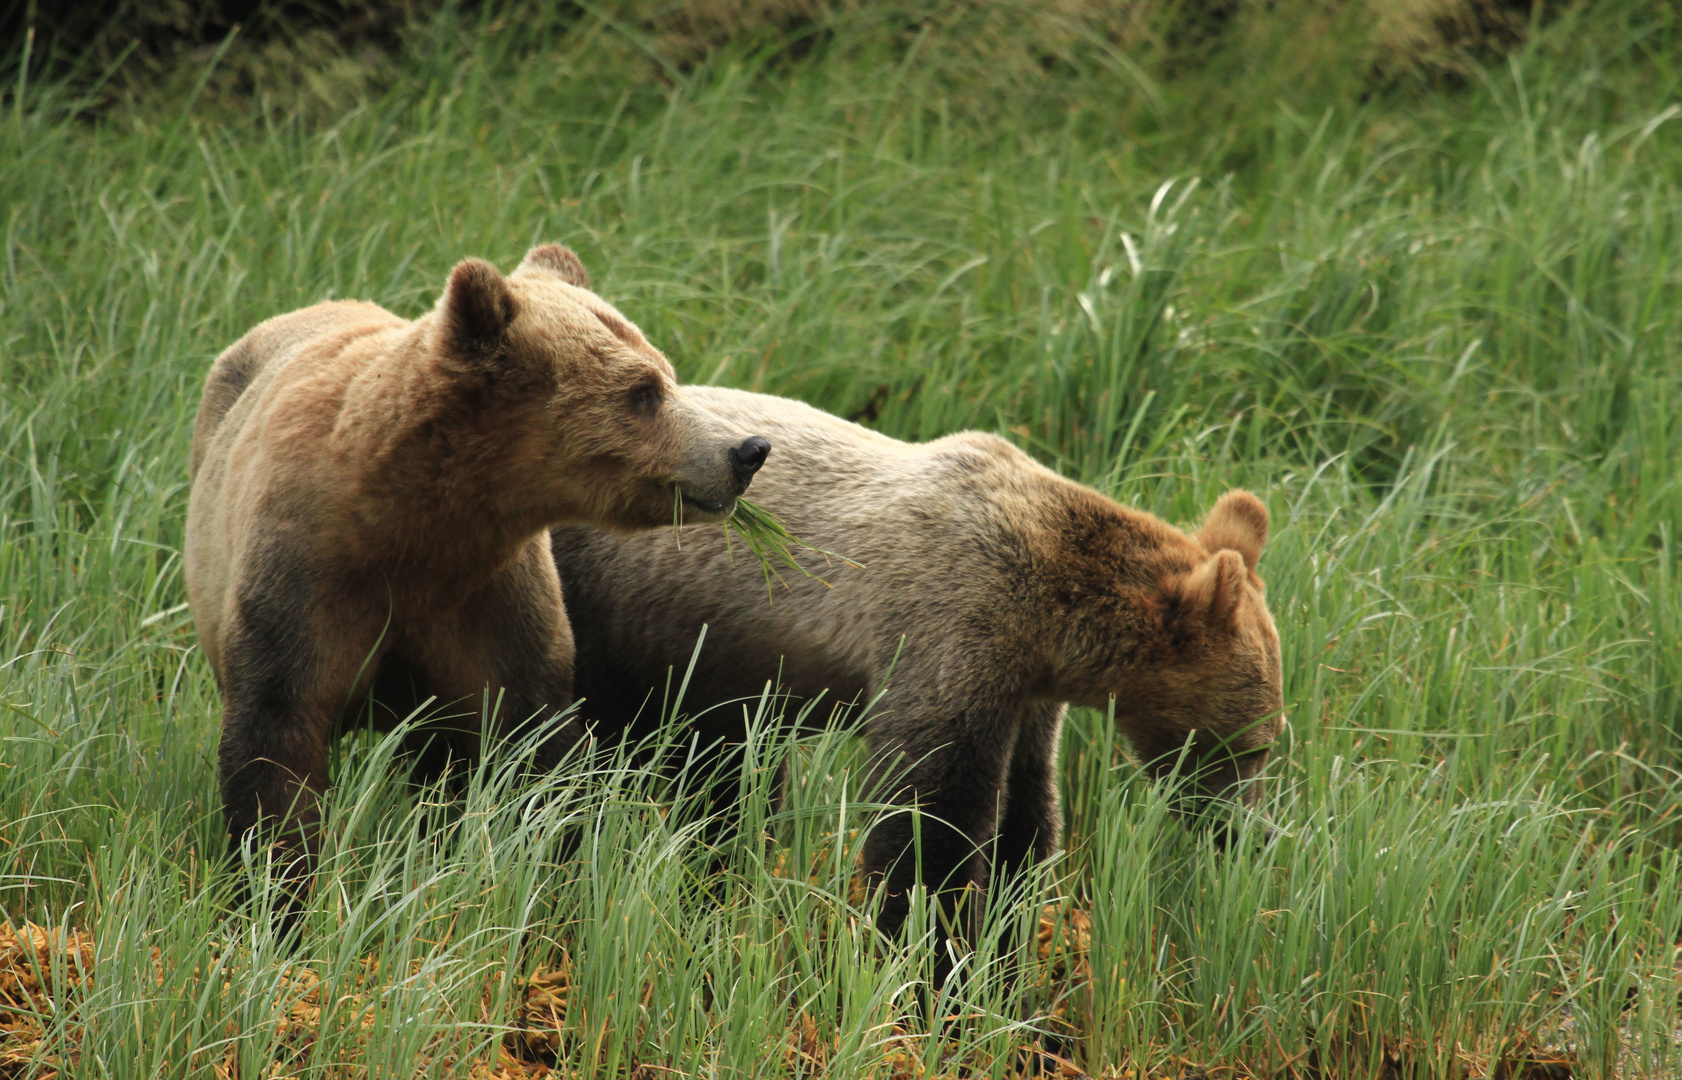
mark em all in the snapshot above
pixel 1342 47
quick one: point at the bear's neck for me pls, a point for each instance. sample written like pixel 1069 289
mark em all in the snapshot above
pixel 1101 569
pixel 440 488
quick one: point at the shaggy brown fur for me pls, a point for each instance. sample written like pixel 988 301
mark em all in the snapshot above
pixel 992 592
pixel 370 505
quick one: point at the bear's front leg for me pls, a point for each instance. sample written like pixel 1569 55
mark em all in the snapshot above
pixel 508 646
pixel 1031 826
pixel 952 766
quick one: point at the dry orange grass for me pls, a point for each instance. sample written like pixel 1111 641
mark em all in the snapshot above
pixel 44 972
pixel 41 968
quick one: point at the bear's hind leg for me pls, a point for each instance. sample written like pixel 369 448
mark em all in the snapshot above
pixel 273 769
pixel 442 753
pixel 289 672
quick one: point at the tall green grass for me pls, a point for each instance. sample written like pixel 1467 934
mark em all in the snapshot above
pixel 1436 331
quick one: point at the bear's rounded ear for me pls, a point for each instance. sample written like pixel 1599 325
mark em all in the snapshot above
pixel 1238 523
pixel 476 308
pixel 557 259
pixel 1209 596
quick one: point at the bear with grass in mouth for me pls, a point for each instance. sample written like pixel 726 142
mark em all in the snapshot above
pixel 991 592
pixel 368 525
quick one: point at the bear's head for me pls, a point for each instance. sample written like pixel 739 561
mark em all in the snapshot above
pixel 591 419
pixel 1204 694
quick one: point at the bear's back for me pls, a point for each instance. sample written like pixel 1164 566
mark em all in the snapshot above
pixel 825 471
pixel 255 358
pixel 935 526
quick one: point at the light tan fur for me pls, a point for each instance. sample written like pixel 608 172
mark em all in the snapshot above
pixel 992 591
pixel 370 504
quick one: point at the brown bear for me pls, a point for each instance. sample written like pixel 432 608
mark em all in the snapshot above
pixel 991 592
pixel 371 499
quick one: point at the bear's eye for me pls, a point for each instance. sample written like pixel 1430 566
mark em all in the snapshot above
pixel 646 398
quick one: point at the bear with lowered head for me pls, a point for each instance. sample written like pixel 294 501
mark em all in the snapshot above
pixel 990 593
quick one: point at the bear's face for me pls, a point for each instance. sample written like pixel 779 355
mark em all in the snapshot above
pixel 601 430
pixel 1208 701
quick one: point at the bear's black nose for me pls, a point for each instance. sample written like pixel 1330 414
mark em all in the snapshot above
pixel 746 459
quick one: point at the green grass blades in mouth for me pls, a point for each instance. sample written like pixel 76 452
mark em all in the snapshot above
pixel 768 540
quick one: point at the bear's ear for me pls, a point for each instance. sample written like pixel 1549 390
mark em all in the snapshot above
pixel 476 308
pixel 1237 523
pixel 557 259
pixel 1209 596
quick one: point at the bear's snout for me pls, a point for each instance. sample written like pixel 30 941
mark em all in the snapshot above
pixel 746 459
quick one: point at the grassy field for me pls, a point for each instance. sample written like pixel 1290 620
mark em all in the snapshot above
pixel 1436 327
